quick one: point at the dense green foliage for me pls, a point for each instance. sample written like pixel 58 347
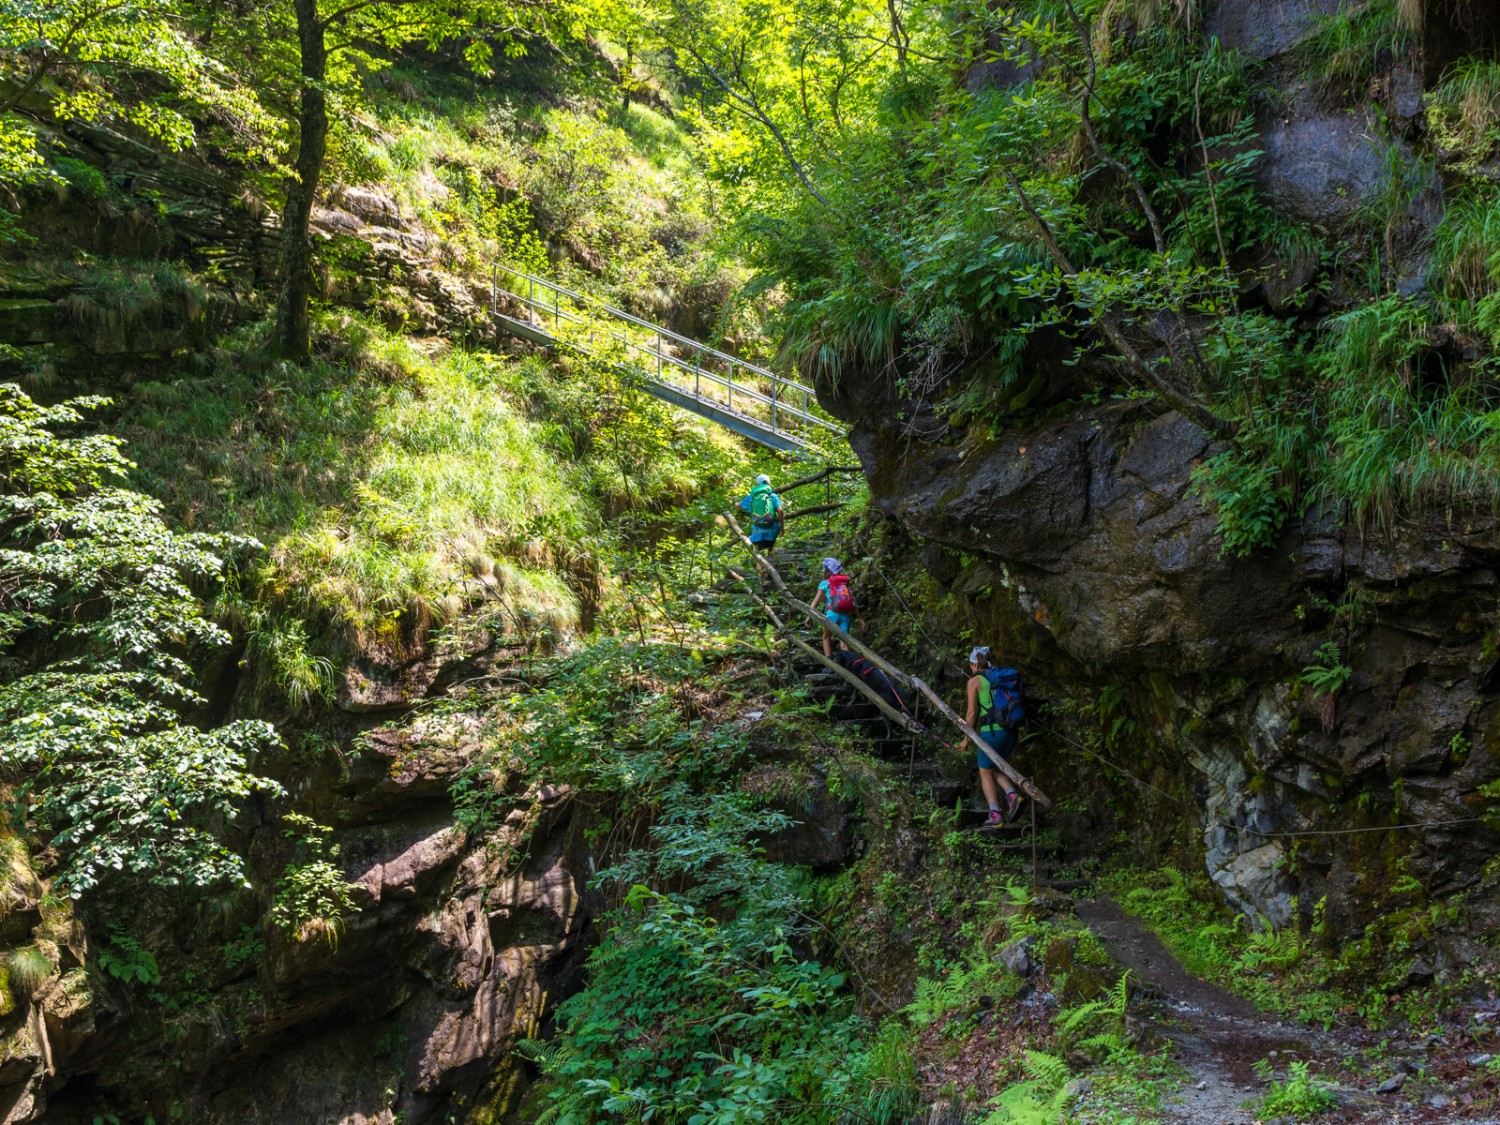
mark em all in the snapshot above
pixel 1002 209
pixel 96 620
pixel 1099 198
pixel 699 1007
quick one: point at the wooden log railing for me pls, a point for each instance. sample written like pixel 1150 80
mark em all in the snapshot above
pixel 1020 780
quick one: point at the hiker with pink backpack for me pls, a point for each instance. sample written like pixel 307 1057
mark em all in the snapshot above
pixel 840 602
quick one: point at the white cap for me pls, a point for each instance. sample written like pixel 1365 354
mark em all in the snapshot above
pixel 977 652
pixel 762 479
pixel 832 564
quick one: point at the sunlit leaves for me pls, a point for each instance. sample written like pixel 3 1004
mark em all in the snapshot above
pixel 92 734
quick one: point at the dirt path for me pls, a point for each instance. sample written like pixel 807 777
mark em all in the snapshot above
pixel 1218 1037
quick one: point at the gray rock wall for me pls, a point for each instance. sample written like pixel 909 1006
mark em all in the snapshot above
pixel 1101 567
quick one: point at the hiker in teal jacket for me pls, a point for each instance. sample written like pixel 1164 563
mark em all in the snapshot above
pixel 765 510
pixel 983 715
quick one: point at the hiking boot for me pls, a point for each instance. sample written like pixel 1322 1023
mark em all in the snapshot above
pixel 995 819
pixel 1012 803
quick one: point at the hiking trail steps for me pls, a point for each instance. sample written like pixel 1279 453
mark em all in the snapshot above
pixel 930 776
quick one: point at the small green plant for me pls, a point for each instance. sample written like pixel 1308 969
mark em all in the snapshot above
pixel 312 895
pixel 1248 498
pixel 248 947
pixel 1097 1026
pixel 1328 673
pixel 124 958
pixel 1297 1096
pixel 1041 1099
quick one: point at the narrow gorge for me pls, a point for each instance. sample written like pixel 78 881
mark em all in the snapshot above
pixel 397 730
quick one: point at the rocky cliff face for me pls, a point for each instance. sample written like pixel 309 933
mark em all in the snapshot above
pixel 1100 566
pixel 457 947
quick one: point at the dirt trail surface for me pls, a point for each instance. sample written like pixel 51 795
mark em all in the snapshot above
pixel 1218 1037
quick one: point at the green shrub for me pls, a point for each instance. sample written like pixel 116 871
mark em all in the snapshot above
pixel 1297 1096
pixel 81 177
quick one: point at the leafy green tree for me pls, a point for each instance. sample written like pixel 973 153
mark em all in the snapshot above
pixel 324 30
pixel 778 85
pixel 97 618
pixel 97 50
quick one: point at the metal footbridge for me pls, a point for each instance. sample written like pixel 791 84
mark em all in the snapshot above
pixel 750 400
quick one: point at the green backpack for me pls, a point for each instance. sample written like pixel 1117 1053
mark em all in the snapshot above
pixel 763 509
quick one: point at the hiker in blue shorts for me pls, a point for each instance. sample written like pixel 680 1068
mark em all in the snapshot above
pixel 765 510
pixel 840 602
pixel 996 712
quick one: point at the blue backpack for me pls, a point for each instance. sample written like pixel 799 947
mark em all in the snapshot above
pixel 1006 709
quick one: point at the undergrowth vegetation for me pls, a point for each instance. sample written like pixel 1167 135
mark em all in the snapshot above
pixel 702 1002
pixel 1359 981
pixel 488 486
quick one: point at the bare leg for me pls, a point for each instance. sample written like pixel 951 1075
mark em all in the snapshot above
pixel 992 782
pixel 828 644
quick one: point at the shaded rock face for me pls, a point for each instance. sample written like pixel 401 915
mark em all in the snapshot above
pixel 1100 567
pixel 458 945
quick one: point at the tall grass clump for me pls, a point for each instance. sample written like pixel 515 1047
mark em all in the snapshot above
pixel 1354 44
pixel 1403 430
pixel 1463 112
pixel 1466 247
pixel 28 968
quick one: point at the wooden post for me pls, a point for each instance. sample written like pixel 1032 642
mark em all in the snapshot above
pixel 1033 844
pixel 911 768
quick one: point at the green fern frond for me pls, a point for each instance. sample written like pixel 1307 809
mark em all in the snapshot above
pixel 545 1055
pixel 1106 1042
pixel 571 1108
pixel 1049 1071
pixel 1081 1018
pixel 1120 995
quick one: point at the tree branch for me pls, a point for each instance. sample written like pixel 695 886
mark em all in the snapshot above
pixel 751 108
pixel 1110 325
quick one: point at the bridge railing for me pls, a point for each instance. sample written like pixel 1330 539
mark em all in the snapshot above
pixel 669 357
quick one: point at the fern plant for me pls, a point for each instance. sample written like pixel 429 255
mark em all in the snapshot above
pixel 1042 1099
pixel 1097 1027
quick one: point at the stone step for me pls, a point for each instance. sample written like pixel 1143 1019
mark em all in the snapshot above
pixel 1063 885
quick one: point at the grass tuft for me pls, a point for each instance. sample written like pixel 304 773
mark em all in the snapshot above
pixel 28 968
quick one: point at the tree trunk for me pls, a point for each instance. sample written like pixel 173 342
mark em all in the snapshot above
pixel 291 338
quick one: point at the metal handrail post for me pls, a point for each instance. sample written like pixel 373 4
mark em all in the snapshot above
pixel 731 385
